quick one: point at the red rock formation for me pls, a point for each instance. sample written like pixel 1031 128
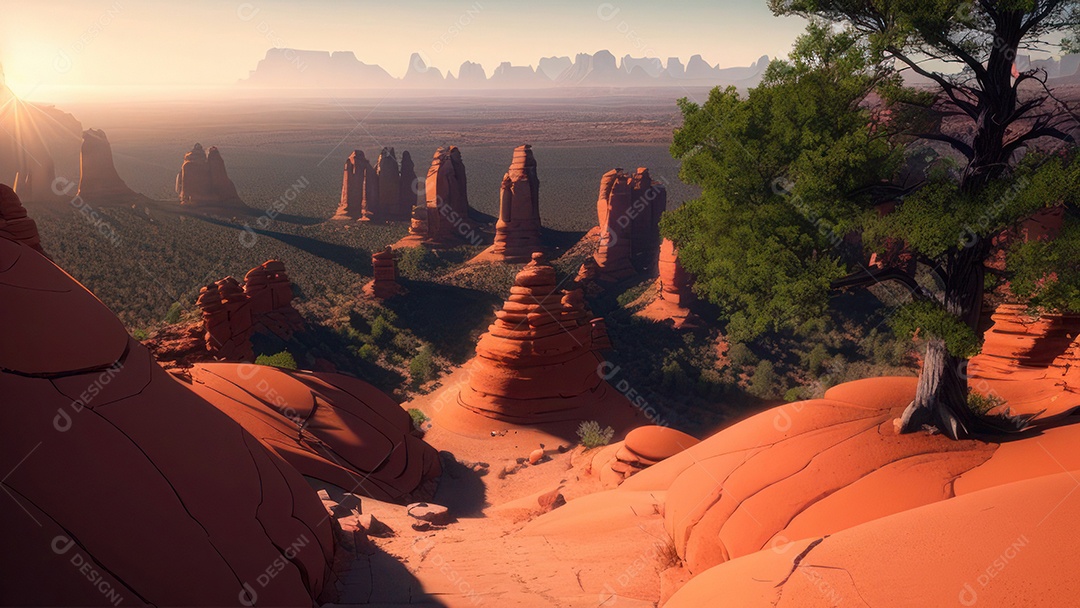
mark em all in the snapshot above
pixel 643 447
pixel 124 486
pixel 269 290
pixel 329 427
pixel 1018 340
pixel 447 197
pixel 352 188
pixel 648 203
pixel 674 289
pixel 517 232
pixel 611 262
pixel 395 206
pixel 35 182
pixel 384 265
pixel 14 222
pixel 203 180
pixel 98 179
pixel 233 312
pixel 537 361
pixel 227 318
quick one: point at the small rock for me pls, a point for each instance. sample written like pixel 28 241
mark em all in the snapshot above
pixel 422 526
pixel 432 513
pixel 536 456
pixel 520 461
pixel 324 495
pixel 375 527
pixel 551 501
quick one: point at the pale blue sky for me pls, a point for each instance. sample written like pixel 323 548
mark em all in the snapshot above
pixel 214 42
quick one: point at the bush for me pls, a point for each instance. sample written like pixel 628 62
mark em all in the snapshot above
pixel 418 418
pixel 382 330
pixel 764 383
pixel 173 316
pixel 983 404
pixel 741 355
pixel 815 359
pixel 140 334
pixel 591 435
pixel 422 367
pixel 284 360
pixel 368 352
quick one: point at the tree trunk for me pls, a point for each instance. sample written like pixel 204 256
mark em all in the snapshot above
pixel 941 397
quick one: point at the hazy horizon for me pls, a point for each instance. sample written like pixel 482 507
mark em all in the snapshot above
pixel 204 44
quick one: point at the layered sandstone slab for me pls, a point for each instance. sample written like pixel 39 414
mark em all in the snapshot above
pixel 1023 532
pixel 98 179
pixel 538 361
pixel 203 180
pixel 119 472
pixel 338 429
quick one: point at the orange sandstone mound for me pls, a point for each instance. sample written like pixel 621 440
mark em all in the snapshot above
pixel 15 224
pixel 998 547
pixel 517 231
pixel 642 448
pixel 98 179
pixel 203 180
pixel 330 427
pixel 538 362
pixel 124 487
pixel 674 289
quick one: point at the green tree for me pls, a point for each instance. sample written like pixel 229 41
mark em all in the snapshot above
pixel 810 157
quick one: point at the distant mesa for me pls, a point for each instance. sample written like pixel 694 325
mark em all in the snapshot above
pixel 98 180
pixel 291 68
pixel 517 231
pixel 628 211
pixel 204 182
pixel 384 191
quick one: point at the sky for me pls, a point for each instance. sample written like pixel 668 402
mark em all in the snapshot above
pixel 153 43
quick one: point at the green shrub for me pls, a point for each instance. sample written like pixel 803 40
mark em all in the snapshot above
pixel 368 352
pixel 765 383
pixel 815 359
pixel 592 436
pixel 676 378
pixel 422 367
pixel 284 360
pixel 983 404
pixel 173 316
pixel 418 418
pixel 140 334
pixel 382 330
pixel 741 355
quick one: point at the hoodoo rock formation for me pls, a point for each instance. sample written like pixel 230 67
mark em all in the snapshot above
pixel 538 360
pixel 15 224
pixel 380 192
pixel 140 483
pixel 628 212
pixel 338 429
pixel 517 231
pixel 385 284
pixel 233 312
pixel 648 203
pixel 203 180
pixel 98 179
pixel 674 290
pixel 447 197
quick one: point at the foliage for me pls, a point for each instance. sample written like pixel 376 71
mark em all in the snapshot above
pixel 418 418
pixel 1048 274
pixel 984 403
pixel 173 316
pixel 765 383
pixel 592 436
pixel 422 366
pixel 284 360
pixel 781 171
pixel 140 334
pixel 929 319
